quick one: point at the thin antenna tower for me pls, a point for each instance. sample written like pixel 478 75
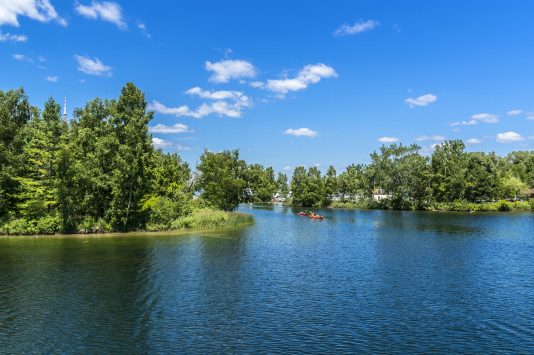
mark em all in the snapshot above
pixel 65 109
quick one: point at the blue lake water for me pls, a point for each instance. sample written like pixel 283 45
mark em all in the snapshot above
pixel 359 281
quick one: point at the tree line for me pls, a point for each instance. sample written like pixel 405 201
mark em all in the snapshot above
pixel 99 170
pixel 408 180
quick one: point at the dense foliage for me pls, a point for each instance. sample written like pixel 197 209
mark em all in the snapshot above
pixel 98 171
pixel 404 179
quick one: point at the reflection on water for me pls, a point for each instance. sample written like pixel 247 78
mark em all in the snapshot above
pixel 360 281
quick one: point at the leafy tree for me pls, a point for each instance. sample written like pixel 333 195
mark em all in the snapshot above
pixel 330 185
pixel 449 165
pixel 307 187
pixel 282 187
pixel 482 177
pixel 130 177
pixel 15 113
pixel 39 180
pixel 221 179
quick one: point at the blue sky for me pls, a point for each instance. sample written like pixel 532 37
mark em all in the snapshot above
pixel 288 83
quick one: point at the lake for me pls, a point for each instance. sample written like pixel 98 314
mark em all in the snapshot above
pixel 359 281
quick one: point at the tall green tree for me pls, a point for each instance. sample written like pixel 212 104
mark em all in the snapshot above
pixel 15 113
pixel 449 165
pixel 39 180
pixel 130 177
pixel 282 187
pixel 221 179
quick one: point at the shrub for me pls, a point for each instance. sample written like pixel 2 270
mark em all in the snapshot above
pixel 504 206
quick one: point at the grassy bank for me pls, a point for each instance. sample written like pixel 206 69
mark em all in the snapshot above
pixel 199 219
pixel 455 206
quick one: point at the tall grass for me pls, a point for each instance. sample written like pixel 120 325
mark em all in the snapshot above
pixel 206 218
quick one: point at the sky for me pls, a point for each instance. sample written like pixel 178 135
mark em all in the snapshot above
pixel 288 83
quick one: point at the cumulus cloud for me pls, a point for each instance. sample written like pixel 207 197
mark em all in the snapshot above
pixel 359 27
pixel 514 112
pixel 509 137
pixel 158 107
pixel 92 66
pixel 388 139
pixel 217 95
pixel 221 108
pixel 8 37
pixel 310 74
pixel 301 132
pixel 177 128
pixel 161 143
pixel 227 70
pixel 430 138
pixel 39 10
pixel 423 100
pixel 52 78
pixel 105 11
pixel 473 141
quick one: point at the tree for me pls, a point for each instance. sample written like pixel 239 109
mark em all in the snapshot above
pixel 307 187
pixel 481 177
pixel 449 165
pixel 402 172
pixel 261 183
pixel 282 187
pixel 130 180
pixel 221 179
pixel 39 180
pixel 330 185
pixel 15 113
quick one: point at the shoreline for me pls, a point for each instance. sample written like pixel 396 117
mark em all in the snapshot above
pixel 137 233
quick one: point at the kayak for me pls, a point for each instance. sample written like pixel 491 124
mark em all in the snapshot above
pixel 316 217
pixel 302 214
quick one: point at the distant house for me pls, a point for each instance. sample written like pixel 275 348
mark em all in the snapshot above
pixel 278 198
pixel 530 193
pixel 380 194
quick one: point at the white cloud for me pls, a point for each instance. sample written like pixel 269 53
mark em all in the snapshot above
pixel 287 168
pixel 161 143
pixel 514 112
pixel 310 74
pixel 215 95
pixel 358 27
pixel 52 78
pixel 423 100
pixel 39 10
pixel 430 138
pixel 478 118
pixel 177 128
pixel 22 58
pixel 142 27
pixel 221 108
pixel 226 70
pixel 105 11
pixel 530 117
pixel 388 139
pixel 485 118
pixel 472 141
pixel 301 132
pixel 92 66
pixel 41 59
pixel 464 123
pixel 161 108
pixel 8 37
pixel 509 137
